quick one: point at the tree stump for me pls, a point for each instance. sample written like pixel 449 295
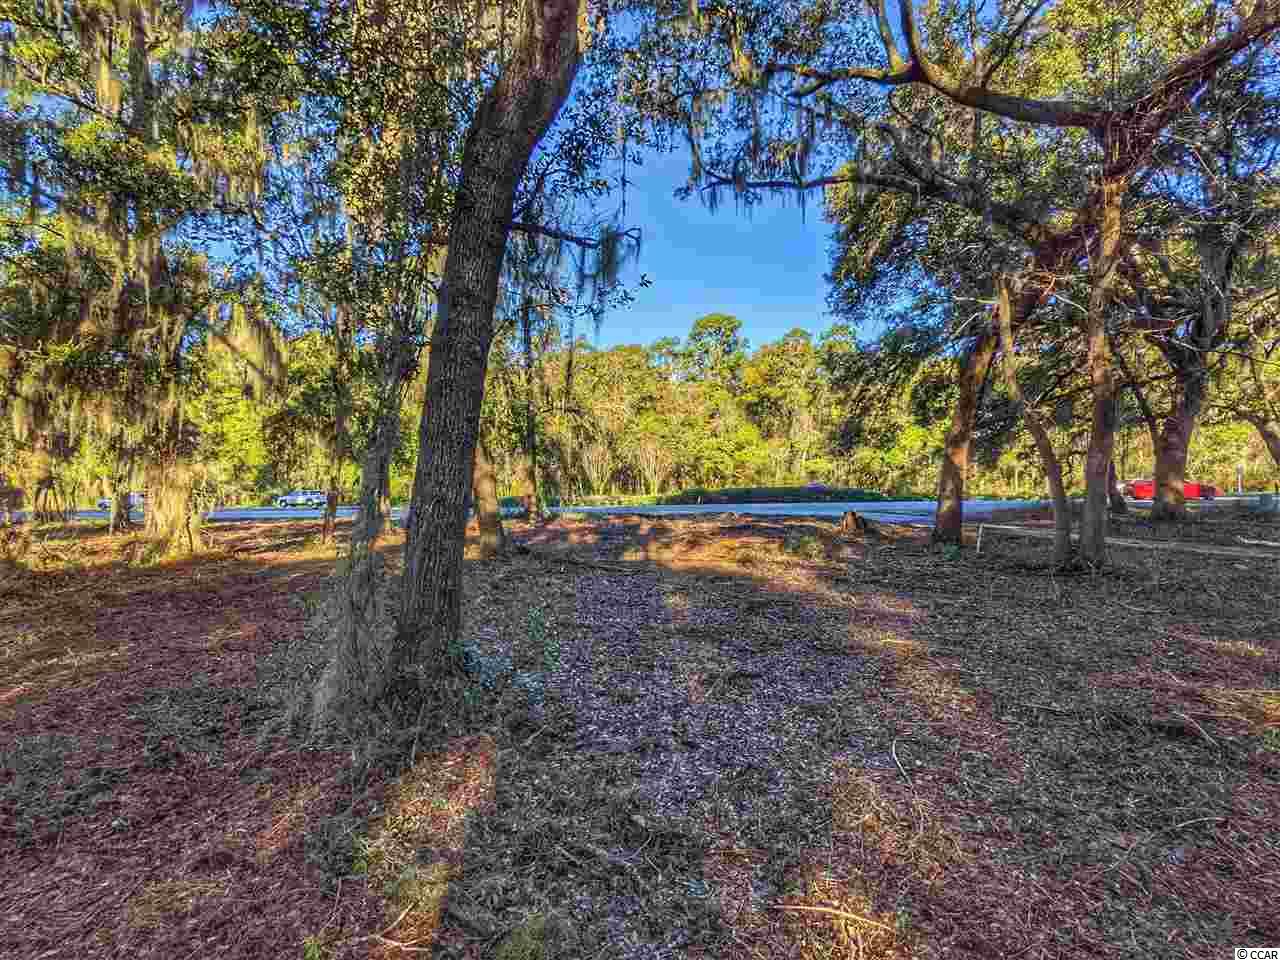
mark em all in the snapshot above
pixel 851 523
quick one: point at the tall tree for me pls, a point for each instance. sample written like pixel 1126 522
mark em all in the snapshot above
pixel 812 44
pixel 121 152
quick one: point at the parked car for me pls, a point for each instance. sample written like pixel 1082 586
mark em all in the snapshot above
pixel 1146 490
pixel 136 502
pixel 302 498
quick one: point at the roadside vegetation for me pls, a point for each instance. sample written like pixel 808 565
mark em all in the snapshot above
pixel 652 438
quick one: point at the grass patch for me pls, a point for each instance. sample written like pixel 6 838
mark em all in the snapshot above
pixel 806 546
pixel 543 936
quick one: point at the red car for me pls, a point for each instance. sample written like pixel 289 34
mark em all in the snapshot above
pixel 1146 490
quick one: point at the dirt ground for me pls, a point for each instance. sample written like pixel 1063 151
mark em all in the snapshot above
pixel 736 739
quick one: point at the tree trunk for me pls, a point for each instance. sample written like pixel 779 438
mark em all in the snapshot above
pixel 1171 443
pixel 1119 505
pixel 1102 429
pixel 1189 361
pixel 11 500
pixel 171 519
pixel 330 510
pixel 69 501
pixel 493 539
pixel 120 518
pixel 512 117
pixel 357 670
pixel 1039 433
pixel 955 461
pixel 1269 430
pixel 535 511
pixel 384 492
pixel 1171 465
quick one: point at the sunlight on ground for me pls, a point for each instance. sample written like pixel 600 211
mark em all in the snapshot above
pixel 416 848
pixel 163 901
pixel 283 825
pixel 1261 706
pixel 885 842
pixel 753 747
pixel 1242 648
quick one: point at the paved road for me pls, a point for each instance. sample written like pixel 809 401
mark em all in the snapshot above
pixel 241 514
pixel 919 512
pixel 901 511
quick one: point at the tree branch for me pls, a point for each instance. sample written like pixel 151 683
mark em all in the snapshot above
pixel 1009 42
pixel 819 79
pixel 1138 393
pixel 1054 113
pixel 587 243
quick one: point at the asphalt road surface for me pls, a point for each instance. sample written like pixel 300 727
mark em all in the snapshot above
pixel 902 511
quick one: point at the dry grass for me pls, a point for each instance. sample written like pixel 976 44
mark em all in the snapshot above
pixel 752 740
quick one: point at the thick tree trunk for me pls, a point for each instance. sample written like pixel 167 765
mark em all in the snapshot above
pixel 513 116
pixel 534 501
pixel 1172 442
pixel 384 494
pixel 171 519
pixel 430 607
pixel 1005 300
pixel 955 461
pixel 1189 361
pixel 1171 465
pixel 120 518
pixel 11 500
pixel 69 501
pixel 1102 429
pixel 493 539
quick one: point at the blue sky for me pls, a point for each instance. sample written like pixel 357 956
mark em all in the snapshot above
pixel 766 269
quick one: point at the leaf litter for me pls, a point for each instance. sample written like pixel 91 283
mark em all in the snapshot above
pixel 749 739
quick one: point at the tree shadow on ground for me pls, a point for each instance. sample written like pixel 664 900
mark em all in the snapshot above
pixel 147 808
pixel 731 745
pixel 903 756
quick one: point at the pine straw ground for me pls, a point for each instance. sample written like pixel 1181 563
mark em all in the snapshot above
pixel 754 739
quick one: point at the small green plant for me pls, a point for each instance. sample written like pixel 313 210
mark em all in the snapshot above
pixel 1271 739
pixel 805 546
pixel 542 633
pixel 313 949
pixel 540 937
pixel 951 551
pixel 366 856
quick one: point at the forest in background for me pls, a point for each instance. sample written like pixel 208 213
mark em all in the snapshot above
pixel 636 422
